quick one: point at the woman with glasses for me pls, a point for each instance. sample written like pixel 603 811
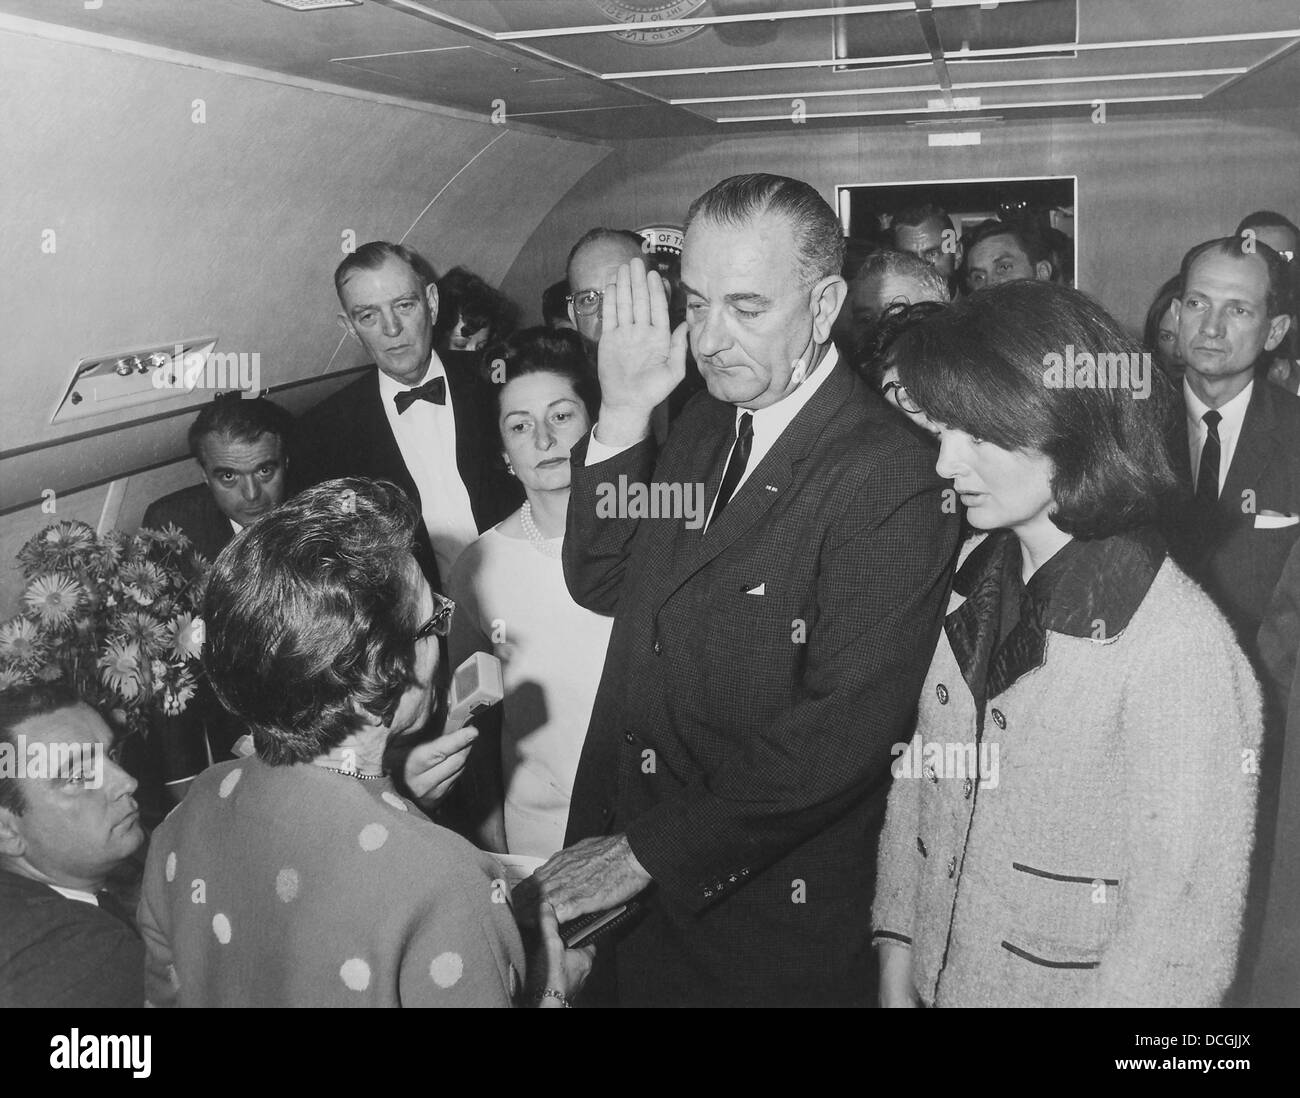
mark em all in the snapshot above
pixel 300 876
pixel 510 590
pixel 1072 823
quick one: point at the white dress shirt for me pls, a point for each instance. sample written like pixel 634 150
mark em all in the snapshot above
pixel 1234 415
pixel 769 423
pixel 426 436
pixel 77 894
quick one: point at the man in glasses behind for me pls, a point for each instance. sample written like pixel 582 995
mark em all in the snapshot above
pixel 299 876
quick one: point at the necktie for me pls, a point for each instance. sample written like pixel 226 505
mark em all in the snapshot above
pixel 435 390
pixel 1207 480
pixel 113 906
pixel 736 462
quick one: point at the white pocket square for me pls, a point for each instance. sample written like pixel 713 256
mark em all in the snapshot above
pixel 761 589
pixel 1272 520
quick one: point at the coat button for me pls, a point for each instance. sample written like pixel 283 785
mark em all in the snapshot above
pixel 941 692
pixel 998 718
pixel 658 648
pixel 630 737
pixel 967 787
pixel 952 866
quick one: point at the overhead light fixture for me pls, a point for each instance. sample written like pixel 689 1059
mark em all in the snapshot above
pixel 314 5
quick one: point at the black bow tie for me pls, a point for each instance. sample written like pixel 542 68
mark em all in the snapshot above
pixel 435 390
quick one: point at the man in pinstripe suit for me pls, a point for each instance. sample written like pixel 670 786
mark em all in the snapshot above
pixel 763 663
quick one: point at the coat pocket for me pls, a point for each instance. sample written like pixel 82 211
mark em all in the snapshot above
pixel 1060 919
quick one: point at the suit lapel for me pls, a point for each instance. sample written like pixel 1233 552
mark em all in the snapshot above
pixel 766 481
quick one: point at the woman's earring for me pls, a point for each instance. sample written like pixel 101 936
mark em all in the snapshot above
pixel 510 469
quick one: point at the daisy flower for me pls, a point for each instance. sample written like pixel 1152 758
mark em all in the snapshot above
pixel 177 697
pixel 57 548
pixel 12 677
pixel 170 539
pixel 53 598
pixel 119 668
pixel 141 630
pixel 51 672
pixel 185 635
pixel 21 642
pixel 143 581
pixel 110 554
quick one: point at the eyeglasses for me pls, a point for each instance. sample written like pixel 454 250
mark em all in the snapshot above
pixel 901 397
pixel 586 302
pixel 439 625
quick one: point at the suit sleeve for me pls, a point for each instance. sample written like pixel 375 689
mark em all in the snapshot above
pixel 598 541
pixel 1279 636
pixel 882 581
pixel 1190 823
pixel 83 959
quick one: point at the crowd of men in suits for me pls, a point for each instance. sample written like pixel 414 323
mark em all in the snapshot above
pixel 761 666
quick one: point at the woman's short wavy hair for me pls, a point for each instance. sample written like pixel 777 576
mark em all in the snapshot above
pixel 309 612
pixel 981 366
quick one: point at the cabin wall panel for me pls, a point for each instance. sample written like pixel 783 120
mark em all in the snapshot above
pixel 1149 188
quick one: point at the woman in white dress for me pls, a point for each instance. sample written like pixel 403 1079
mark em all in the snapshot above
pixel 512 601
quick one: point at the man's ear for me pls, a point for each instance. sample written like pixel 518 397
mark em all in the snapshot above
pixel 1277 328
pixel 345 322
pixel 12 843
pixel 827 299
pixel 1043 271
pixel 431 296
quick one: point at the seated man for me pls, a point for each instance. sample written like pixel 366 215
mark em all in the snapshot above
pixel 67 820
pixel 242 449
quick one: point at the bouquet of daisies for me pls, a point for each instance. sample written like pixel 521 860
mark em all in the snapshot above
pixel 114 617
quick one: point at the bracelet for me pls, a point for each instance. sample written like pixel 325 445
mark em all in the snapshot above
pixel 551 993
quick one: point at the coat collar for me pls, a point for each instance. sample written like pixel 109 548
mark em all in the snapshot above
pixel 1087 589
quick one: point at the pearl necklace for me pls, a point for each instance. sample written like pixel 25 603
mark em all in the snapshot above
pixel 548 547
pixel 352 774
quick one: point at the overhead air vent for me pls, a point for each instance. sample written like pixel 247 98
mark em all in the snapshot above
pixel 1009 28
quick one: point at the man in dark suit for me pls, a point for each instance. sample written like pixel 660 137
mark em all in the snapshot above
pixel 242 449
pixel 68 820
pixel 1237 450
pixel 770 637
pixel 429 427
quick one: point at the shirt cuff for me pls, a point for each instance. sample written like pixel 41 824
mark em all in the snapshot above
pixel 597 451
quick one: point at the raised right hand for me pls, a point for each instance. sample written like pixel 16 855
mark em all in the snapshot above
pixel 640 358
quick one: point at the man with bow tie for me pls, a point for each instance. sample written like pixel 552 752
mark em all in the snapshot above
pixel 427 426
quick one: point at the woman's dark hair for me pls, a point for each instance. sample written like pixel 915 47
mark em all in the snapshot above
pixel 988 365
pixel 1165 296
pixel 462 295
pixel 880 336
pixel 312 610
pixel 543 350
